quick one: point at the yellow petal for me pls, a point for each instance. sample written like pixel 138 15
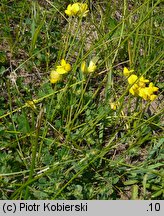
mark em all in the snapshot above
pixel 144 93
pixel 54 76
pixel 92 67
pixel 68 12
pixel 83 67
pixel 83 6
pixel 61 70
pixel 83 9
pixel 63 62
pixel 151 84
pixel 132 91
pixel 141 84
pixel 142 79
pixel 153 97
pixel 132 79
pixel 69 7
pixel 153 88
pixel 113 106
pixel 141 92
pixel 127 72
pixel 75 8
pixel 67 67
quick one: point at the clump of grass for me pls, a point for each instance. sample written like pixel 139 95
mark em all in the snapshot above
pixel 69 127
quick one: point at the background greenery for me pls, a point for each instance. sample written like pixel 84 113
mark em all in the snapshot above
pixel 72 145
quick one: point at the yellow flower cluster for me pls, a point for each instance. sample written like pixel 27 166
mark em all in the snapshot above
pixel 56 74
pixel 139 86
pixel 64 67
pixel 77 9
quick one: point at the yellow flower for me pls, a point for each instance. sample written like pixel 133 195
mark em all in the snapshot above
pixel 134 89
pixel 64 67
pixel 83 67
pixel 77 9
pixel 83 9
pixel 147 93
pixel 132 79
pixel 68 11
pixel 92 67
pixel 113 106
pixel 127 72
pixel 139 88
pixel 31 104
pixel 153 97
pixel 152 88
pixel 143 92
pixel 72 10
pixel 55 76
pixel 142 82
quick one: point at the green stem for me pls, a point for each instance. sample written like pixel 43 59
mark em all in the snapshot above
pixel 34 151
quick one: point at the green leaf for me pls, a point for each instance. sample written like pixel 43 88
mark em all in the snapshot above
pixel 130 182
pixel 158 193
pixel 23 124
